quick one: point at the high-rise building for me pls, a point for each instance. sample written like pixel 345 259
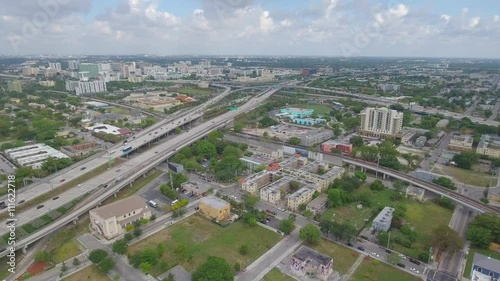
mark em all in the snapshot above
pixel 73 65
pixel 14 86
pixel 381 121
pixel 92 68
pixel 90 87
pixel 28 71
pixel 55 65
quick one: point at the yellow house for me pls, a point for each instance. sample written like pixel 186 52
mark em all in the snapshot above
pixel 214 208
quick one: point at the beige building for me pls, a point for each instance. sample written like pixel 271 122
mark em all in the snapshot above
pixel 301 196
pixel 381 121
pixel 272 192
pixel 269 153
pixel 416 193
pixel 214 208
pixel 47 83
pixel 318 204
pixel 14 86
pixel 317 171
pixel 110 220
pixel 461 142
pixel 257 181
pixel 489 145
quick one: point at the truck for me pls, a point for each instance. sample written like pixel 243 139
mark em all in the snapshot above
pixel 153 204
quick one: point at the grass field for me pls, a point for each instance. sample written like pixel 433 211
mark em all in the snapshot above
pixel 318 108
pixel 60 189
pixel 63 245
pixel 467 176
pixel 138 184
pixel 90 273
pixel 276 275
pixel 119 110
pixel 349 214
pixel 470 257
pixel 343 257
pixel 202 238
pixel 373 270
pixel 194 91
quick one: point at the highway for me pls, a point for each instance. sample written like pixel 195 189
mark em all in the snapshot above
pixel 139 139
pixel 134 168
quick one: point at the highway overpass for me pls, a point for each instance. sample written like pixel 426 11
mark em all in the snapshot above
pixel 150 159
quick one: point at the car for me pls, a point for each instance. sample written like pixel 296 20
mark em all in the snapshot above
pixel 55 198
pixel 80 185
pixel 21 201
pixel 402 265
pixel 268 220
pixel 414 261
pixel 156 133
pixel 282 209
pixel 62 180
pixel 118 170
pixel 361 248
pixel 375 255
pixel 350 244
pixel 388 251
pixel 83 168
pixel 414 270
pixel 156 152
pixel 402 256
pixel 39 206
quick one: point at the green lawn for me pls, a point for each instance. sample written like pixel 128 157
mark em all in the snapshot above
pixel 90 273
pixel 349 214
pixel 343 257
pixel 373 270
pixel 467 176
pixel 276 275
pixel 63 245
pixel 119 110
pixel 470 257
pixel 194 91
pixel 202 238
pixel 318 108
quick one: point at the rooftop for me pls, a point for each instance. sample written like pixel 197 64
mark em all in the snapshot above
pixel 385 215
pixel 318 202
pixel 121 207
pixel 214 202
pixel 489 141
pixel 486 262
pixel 305 253
pixel 299 193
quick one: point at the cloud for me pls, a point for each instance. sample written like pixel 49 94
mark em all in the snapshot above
pixel 400 11
pixel 496 18
pixel 474 22
pixel 446 18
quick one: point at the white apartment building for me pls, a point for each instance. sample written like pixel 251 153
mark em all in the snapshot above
pixel 257 181
pixel 55 65
pixel 110 220
pixel 301 196
pixel 381 121
pixel 90 87
pixel 73 65
pixel 33 155
pixel 47 83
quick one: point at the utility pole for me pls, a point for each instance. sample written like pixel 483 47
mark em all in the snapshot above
pixel 378 161
pixel 389 240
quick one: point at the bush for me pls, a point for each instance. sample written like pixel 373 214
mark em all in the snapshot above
pixel 42 256
pixel 120 246
pixel 137 231
pixel 244 249
pixel 96 256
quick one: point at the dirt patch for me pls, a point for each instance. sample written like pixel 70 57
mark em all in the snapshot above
pixel 35 269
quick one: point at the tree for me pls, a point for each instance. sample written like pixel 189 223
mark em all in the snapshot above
pixel 120 246
pixel 76 262
pixel 310 233
pixel 145 267
pixel 479 236
pixel 206 149
pixel 106 265
pixel 97 255
pixel 238 128
pixel 214 268
pixel 286 226
pixel 153 217
pixel 377 185
pixel 137 231
pixel 294 141
pixel 488 221
pixel 360 175
pixel 446 239
pixel 250 200
pixel 168 191
pixel 128 236
pixel 178 179
pixel 42 256
pixel 338 197
pixel 465 159
pixel 357 141
pixel 64 268
pixel 383 238
pixel 244 249
pixel 393 258
pixel 308 214
pixel 445 182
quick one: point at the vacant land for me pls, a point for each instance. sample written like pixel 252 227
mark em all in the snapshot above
pixel 119 110
pixel 200 238
pixel 89 273
pixel 373 270
pixel 318 108
pixel 467 176
pixel 63 245
pixel 276 275
pixel 470 257
pixel 138 184
pixel 349 214
pixel 343 257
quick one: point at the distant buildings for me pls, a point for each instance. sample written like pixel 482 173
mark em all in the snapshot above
pixel 330 144
pixel 33 155
pixel 110 220
pixel 381 122
pixel 489 145
pixel 383 220
pixel 47 83
pixel 297 112
pixel 55 65
pixel 308 262
pixel 86 87
pixel 214 208
pixel 14 86
pixel 91 68
pixel 461 143
pixel 390 87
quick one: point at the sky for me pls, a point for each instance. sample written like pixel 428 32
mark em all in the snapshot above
pixel 348 28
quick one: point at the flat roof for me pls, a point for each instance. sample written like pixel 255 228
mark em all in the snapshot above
pixel 305 253
pixel 214 202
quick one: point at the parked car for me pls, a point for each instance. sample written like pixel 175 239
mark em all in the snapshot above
pixel 414 261
pixel 402 265
pixel 83 168
pixel 39 206
pixel 361 248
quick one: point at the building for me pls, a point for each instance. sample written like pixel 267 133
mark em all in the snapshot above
pixel 407 138
pixel 416 193
pixel 91 68
pixel 485 268
pixel 96 104
pixel 297 112
pixel 317 171
pixel 428 176
pixel 254 162
pixel 80 149
pixel 272 192
pixel 461 142
pixel 421 141
pixel 214 208
pixel 47 83
pixel 383 220
pixel 331 144
pixel 299 197
pixel 91 87
pixel 193 188
pixel 178 272
pixel 55 65
pixel 318 204
pixel 442 123
pixel 33 155
pixel 14 86
pixel 28 71
pixel 308 262
pixel 110 220
pixel 73 65
pixel 71 85
pixel 257 181
pixel 390 87
pixel 135 79
pixel 381 122
pixel 275 154
pixel 489 145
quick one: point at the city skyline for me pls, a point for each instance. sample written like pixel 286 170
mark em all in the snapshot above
pixel 246 27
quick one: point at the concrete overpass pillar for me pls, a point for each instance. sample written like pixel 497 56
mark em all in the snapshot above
pixel 143 176
pixel 75 221
pixel 384 176
pixel 115 194
pixel 130 184
pixel 24 249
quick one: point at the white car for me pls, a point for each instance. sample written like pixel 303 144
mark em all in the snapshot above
pixel 375 255
pixel 402 256
pixel 80 185
pixel 414 270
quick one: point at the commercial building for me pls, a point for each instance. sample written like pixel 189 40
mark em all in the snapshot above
pixel 383 220
pixel 331 144
pixel 318 204
pixel 461 142
pixel 308 262
pixel 257 181
pixel 381 122
pixel 80 149
pixel 489 145
pixel 14 86
pixel 33 155
pixel 195 189
pixel 110 220
pixel 275 154
pixel 214 208
pixel 485 268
